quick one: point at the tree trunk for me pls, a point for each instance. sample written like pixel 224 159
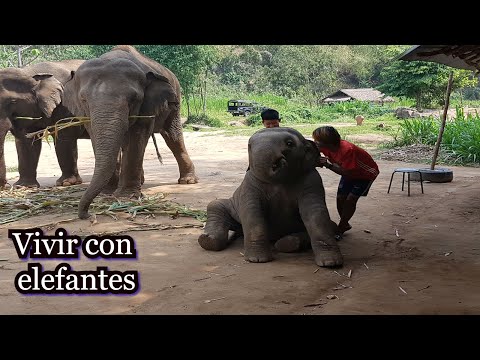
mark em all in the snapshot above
pixel 205 93
pixel 187 98
pixel 444 120
pixel 19 56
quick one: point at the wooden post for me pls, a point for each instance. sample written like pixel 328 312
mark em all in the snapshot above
pixel 444 120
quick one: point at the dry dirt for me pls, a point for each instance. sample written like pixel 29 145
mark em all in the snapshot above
pixel 405 255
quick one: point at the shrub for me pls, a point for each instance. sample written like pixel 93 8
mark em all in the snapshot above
pixel 203 119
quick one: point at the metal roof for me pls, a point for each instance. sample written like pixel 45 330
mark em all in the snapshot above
pixel 366 94
pixel 458 56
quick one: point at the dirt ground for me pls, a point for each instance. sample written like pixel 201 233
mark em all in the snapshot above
pixel 405 255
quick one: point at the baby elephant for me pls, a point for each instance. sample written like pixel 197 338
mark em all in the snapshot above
pixel 281 200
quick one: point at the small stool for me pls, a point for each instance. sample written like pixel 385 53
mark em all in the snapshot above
pixel 406 171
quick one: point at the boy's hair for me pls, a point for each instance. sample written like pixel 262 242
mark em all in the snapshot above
pixel 327 135
pixel 270 114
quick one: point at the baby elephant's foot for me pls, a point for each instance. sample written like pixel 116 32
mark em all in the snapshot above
pixel 258 256
pixel 328 257
pixel 292 243
pixel 208 242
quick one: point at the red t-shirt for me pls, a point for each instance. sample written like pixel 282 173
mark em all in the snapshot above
pixel 349 156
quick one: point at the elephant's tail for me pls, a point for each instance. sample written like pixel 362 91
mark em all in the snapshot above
pixel 156 148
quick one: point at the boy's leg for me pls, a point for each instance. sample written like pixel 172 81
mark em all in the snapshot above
pixel 358 188
pixel 344 190
pixel 349 207
pixel 341 198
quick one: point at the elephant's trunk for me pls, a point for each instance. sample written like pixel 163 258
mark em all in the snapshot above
pixel 107 132
pixel 4 127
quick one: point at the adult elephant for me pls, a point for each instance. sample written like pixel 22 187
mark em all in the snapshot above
pixel 281 200
pixel 115 90
pixel 36 91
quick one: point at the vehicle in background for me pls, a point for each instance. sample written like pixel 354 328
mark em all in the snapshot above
pixel 244 107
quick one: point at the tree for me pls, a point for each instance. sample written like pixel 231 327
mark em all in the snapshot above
pixel 190 63
pixel 23 55
pixel 421 80
pixel 18 56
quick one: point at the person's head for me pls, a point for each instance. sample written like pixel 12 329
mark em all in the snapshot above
pixel 326 136
pixel 270 118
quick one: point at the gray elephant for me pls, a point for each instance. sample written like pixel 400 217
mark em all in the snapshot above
pixel 36 91
pixel 112 90
pixel 281 200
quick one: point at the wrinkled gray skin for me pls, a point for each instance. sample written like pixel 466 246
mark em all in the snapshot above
pixel 109 89
pixel 4 128
pixel 281 200
pixel 36 91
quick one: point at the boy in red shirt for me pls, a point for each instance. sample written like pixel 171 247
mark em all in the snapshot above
pixel 357 169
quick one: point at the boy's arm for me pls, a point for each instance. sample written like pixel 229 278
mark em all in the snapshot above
pixel 349 165
pixel 340 170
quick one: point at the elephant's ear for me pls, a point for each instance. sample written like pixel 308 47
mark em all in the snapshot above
pixel 161 99
pixel 48 92
pixel 160 84
pixel 69 96
pixel 311 155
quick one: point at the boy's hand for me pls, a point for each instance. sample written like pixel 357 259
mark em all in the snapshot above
pixel 322 161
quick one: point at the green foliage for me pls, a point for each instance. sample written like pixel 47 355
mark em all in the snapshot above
pixel 188 62
pixel 254 120
pixel 460 141
pixel 424 81
pixel 418 131
pixel 203 119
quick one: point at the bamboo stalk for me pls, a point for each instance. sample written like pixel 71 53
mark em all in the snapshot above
pixel 44 133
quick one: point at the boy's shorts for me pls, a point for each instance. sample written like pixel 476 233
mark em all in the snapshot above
pixel 358 187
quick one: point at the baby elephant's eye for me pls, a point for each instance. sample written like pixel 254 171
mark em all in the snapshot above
pixel 290 143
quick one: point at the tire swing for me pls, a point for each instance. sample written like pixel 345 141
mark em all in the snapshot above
pixel 438 175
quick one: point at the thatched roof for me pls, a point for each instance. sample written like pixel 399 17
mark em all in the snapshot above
pixel 368 94
pixel 459 56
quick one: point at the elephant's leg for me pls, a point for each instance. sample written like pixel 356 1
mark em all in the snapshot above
pixel 5 126
pixel 293 243
pixel 174 139
pixel 130 182
pixel 320 227
pixel 257 245
pixel 219 222
pixel 67 156
pixel 28 154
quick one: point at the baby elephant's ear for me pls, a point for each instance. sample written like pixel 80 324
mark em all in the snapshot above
pixel 311 154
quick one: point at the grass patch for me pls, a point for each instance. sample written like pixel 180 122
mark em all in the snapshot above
pixel 12 168
pixel 460 141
